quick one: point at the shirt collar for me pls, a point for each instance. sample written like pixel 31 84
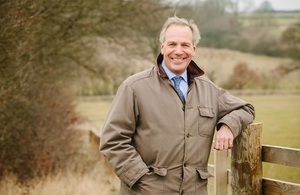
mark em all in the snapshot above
pixel 170 74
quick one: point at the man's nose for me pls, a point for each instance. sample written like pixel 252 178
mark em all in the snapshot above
pixel 178 49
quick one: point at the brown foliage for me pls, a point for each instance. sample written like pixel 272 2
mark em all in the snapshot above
pixel 291 41
pixel 41 47
pixel 36 109
pixel 243 77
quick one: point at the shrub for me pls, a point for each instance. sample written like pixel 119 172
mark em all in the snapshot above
pixel 243 78
pixel 36 107
pixel 35 134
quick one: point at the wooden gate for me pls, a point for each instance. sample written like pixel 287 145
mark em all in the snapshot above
pixel 246 157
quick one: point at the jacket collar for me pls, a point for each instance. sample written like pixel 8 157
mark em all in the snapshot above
pixel 193 69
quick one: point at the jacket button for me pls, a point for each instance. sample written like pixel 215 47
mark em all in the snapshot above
pixel 188 135
pixel 184 164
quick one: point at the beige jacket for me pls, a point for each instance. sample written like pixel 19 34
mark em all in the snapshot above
pixel 157 145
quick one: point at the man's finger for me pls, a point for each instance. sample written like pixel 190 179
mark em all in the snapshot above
pixel 219 145
pixel 226 144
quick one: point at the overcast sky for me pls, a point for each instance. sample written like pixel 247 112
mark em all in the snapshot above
pixel 250 4
pixel 282 4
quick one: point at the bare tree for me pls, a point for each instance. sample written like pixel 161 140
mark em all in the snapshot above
pixel 42 46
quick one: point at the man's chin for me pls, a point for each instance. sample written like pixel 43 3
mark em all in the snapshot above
pixel 178 71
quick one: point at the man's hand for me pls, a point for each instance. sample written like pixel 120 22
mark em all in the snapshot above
pixel 224 138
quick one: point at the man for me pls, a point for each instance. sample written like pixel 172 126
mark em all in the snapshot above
pixel 159 131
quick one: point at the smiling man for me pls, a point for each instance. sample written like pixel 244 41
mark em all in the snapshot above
pixel 177 48
pixel 159 130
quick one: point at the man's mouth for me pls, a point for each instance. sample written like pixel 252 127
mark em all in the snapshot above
pixel 178 59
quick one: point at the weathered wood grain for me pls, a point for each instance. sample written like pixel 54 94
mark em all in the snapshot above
pixel 246 166
pixel 220 172
pixel 276 187
pixel 247 156
pixel 281 155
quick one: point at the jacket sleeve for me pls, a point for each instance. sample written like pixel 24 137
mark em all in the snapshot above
pixel 234 112
pixel 116 138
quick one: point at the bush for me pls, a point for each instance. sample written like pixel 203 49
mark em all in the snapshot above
pixel 291 40
pixel 35 134
pixel 36 107
pixel 243 78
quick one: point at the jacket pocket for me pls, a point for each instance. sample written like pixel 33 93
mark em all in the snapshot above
pixel 161 171
pixel 203 173
pixel 152 182
pixel 206 122
pixel 202 180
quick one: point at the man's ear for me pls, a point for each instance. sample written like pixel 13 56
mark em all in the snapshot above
pixel 194 53
pixel 161 48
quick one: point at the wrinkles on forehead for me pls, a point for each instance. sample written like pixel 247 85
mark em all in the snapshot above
pixel 179 34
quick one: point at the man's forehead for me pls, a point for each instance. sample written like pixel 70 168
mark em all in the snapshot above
pixel 179 33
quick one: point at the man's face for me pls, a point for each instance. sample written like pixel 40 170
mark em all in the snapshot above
pixel 178 48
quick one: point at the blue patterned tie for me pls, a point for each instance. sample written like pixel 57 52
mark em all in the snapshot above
pixel 177 81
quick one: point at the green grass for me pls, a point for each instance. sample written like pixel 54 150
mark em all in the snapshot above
pixel 280 115
pixel 94 108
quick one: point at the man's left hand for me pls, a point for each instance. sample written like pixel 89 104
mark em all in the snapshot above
pixel 224 138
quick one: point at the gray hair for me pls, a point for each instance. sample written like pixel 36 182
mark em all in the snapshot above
pixel 181 22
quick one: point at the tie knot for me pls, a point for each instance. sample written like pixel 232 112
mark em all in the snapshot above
pixel 177 80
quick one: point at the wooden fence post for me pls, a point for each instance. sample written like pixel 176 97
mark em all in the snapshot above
pixel 220 170
pixel 246 162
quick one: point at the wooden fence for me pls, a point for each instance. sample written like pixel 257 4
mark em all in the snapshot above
pixel 245 177
pixel 246 157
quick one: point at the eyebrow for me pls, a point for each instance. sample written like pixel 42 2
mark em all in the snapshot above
pixel 183 43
